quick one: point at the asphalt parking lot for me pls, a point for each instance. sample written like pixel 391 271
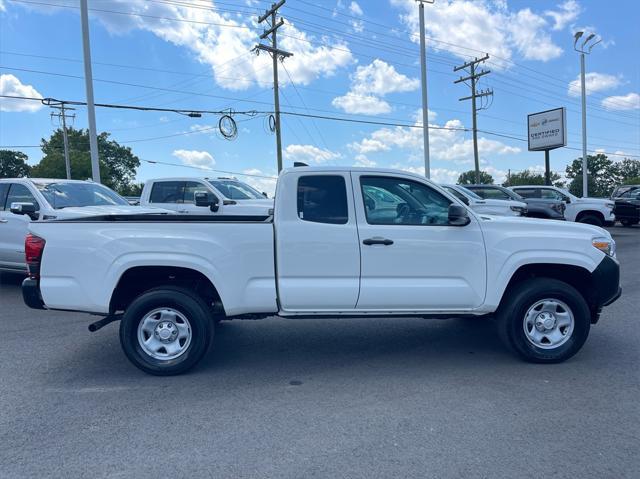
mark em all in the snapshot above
pixel 322 398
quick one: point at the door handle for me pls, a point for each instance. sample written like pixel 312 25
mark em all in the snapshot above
pixel 4 221
pixel 377 240
pixel 183 211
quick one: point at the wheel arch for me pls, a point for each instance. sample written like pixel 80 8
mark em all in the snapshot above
pixel 595 213
pixel 138 279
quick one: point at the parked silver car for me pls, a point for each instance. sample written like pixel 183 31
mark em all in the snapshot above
pixel 49 199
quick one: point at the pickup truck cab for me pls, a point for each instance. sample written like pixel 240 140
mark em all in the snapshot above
pixel 226 196
pixel 592 211
pixel 487 206
pixel 327 251
pixel 536 207
pixel 32 199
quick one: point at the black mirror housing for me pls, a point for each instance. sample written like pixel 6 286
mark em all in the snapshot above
pixel 29 209
pixel 458 215
pixel 203 198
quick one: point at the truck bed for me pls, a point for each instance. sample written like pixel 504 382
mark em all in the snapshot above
pixel 235 253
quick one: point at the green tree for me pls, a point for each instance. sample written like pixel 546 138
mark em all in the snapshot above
pixel 118 164
pixel 469 178
pixel 627 170
pixel 602 176
pixel 634 180
pixel 134 189
pixel 13 164
pixel 528 177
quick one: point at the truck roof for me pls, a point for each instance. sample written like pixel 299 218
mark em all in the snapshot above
pixel 43 180
pixel 191 178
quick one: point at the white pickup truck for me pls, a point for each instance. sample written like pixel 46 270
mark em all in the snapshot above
pixel 224 196
pixel 327 251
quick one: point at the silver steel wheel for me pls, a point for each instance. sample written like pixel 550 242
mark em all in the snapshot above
pixel 164 334
pixel 548 324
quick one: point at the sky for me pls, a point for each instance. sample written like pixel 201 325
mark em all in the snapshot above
pixel 356 62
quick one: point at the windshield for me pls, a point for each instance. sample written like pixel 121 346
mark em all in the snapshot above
pixel 235 190
pixel 64 195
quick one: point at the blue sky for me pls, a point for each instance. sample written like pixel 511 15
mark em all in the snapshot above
pixel 357 60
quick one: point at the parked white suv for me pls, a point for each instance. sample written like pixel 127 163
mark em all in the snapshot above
pixel 487 206
pixel 30 199
pixel 224 196
pixel 593 211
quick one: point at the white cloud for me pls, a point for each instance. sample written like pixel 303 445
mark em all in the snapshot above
pixel 448 144
pixel 566 14
pixel 355 9
pixel 224 41
pixel 371 82
pixel 361 104
pixel 484 25
pixel 594 82
pixel 363 161
pixel 260 181
pixel 309 154
pixel 201 159
pixel 12 86
pixel 630 101
pixel 439 175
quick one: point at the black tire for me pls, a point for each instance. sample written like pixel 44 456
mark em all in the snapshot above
pixel 511 316
pixel 182 300
pixel 591 220
pixel 628 223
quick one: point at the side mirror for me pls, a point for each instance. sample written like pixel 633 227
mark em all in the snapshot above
pixel 203 198
pixel 458 216
pixel 28 209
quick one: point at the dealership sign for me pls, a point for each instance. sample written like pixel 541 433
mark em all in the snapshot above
pixel 547 129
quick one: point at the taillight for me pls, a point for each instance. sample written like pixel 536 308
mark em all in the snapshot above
pixel 33 248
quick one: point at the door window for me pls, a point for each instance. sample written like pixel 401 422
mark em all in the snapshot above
pixel 491 193
pixel 190 189
pixel 548 194
pixel 528 192
pixel 20 194
pixel 412 203
pixel 167 192
pixel 323 199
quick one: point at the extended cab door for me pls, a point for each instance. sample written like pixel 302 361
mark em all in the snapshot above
pixel 317 247
pixel 411 258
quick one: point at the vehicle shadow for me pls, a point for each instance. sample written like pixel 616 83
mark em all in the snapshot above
pixel 11 280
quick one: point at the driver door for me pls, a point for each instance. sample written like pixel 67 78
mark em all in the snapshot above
pixel 411 258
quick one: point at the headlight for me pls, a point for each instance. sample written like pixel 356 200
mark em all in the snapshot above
pixel 606 245
pixel 610 205
pixel 559 207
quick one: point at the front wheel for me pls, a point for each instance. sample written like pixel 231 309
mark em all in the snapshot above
pixel 166 331
pixel 591 220
pixel 544 320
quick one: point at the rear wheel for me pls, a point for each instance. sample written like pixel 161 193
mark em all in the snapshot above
pixel 544 320
pixel 591 220
pixel 166 331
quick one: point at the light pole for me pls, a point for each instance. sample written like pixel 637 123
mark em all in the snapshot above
pixel 584 49
pixel 423 69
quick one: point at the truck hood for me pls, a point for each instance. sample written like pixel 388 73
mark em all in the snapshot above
pixel 597 201
pixel 82 211
pixel 538 225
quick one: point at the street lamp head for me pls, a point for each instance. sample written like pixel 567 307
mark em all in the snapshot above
pixel 588 39
pixel 576 37
pixel 594 44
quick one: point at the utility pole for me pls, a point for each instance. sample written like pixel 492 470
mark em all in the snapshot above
pixel 88 80
pixel 473 76
pixel 62 117
pixel 583 50
pixel 276 54
pixel 423 68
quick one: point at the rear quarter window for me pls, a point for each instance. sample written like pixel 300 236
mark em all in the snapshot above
pixel 323 199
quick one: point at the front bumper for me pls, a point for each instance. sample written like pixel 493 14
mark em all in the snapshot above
pixel 31 294
pixel 606 285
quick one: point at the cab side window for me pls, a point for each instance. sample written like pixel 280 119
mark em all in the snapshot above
pixel 528 192
pixel 190 189
pixel 323 199
pixel 167 192
pixel 20 194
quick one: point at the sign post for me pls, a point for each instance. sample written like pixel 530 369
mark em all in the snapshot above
pixel 546 131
